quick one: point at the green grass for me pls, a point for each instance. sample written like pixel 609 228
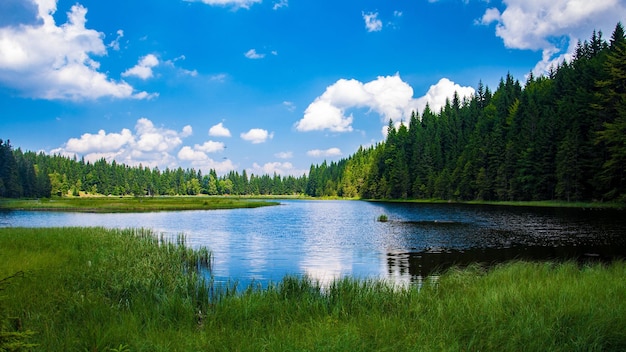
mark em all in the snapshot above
pixel 131 204
pixel 91 289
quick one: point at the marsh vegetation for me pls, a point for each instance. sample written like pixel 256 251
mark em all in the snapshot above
pixel 97 289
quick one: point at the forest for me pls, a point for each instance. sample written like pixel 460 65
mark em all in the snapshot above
pixel 558 137
pixel 561 136
pixel 29 174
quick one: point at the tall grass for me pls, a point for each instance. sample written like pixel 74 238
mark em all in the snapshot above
pixel 91 288
pixel 106 290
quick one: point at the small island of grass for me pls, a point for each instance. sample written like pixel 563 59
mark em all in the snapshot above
pixel 131 204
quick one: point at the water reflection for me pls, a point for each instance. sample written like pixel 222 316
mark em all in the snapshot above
pixel 330 239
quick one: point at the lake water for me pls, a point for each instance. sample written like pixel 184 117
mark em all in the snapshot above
pixel 330 239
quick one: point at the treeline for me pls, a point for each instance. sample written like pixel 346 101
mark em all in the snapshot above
pixel 28 174
pixel 557 137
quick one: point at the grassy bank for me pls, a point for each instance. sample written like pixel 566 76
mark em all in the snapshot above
pixel 131 204
pixel 91 289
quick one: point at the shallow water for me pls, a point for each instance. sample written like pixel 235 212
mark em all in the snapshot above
pixel 329 239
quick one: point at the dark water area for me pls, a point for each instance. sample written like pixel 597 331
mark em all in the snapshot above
pixel 489 235
pixel 330 239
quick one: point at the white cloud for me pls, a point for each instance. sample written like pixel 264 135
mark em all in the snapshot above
pixel 210 147
pixel 187 131
pixel 438 93
pixel 219 131
pixel 324 153
pixel 43 60
pixel 180 71
pixel 190 154
pixel 490 15
pixel 279 168
pixel 552 26
pixel 289 105
pixel 200 160
pixel 200 151
pixel 115 44
pixel 153 139
pixel 284 155
pixel 101 142
pixel 280 4
pixel 252 54
pixel 388 96
pixel 143 69
pixel 234 3
pixel 372 23
pixel 149 145
pixel 257 135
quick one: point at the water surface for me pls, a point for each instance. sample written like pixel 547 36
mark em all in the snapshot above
pixel 329 239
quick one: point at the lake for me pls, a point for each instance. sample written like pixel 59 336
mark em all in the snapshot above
pixel 330 239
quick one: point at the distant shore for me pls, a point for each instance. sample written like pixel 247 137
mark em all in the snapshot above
pixel 537 203
pixel 105 204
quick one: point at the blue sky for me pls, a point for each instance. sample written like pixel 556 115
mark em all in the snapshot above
pixel 262 85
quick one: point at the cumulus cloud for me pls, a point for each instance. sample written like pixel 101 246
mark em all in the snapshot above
pixel 317 153
pixel 148 145
pixel 100 142
pixel 49 61
pixel 234 3
pixel 388 96
pixel 372 23
pixel 187 131
pixel 552 26
pixel 143 69
pixel 219 131
pixel 200 160
pixel 438 93
pixel 257 135
pixel 252 54
pixel 279 168
pixel 210 147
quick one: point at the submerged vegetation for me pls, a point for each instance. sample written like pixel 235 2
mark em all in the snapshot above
pixel 131 204
pixel 105 290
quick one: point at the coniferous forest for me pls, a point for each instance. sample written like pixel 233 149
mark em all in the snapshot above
pixel 556 137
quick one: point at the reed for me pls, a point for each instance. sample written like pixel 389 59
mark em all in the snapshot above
pixel 111 290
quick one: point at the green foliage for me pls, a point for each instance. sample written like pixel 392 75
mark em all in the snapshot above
pixel 559 137
pixel 39 175
pixel 13 337
pixel 127 290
